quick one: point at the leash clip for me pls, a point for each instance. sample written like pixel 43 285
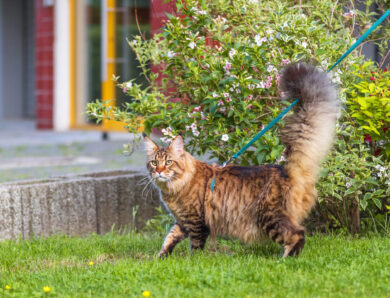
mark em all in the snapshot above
pixel 231 159
pixel 212 185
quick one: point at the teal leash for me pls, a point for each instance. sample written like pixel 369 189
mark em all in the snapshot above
pixel 286 110
pixel 362 38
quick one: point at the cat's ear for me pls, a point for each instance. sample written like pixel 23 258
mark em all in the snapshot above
pixel 177 146
pixel 150 146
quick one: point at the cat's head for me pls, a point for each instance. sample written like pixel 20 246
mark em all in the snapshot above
pixel 165 164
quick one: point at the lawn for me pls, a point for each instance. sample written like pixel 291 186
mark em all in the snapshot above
pixel 117 265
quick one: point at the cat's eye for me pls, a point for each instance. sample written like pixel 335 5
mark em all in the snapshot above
pixel 168 162
pixel 153 163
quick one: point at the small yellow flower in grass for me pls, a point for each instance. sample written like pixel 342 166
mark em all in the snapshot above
pixel 90 263
pixel 146 293
pixel 7 287
pixel 46 289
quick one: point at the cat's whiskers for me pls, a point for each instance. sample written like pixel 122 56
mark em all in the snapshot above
pixel 148 187
pixel 143 180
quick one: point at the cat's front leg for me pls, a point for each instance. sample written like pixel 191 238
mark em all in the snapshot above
pixel 174 236
pixel 198 237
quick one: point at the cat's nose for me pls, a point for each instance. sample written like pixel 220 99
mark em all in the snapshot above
pixel 159 170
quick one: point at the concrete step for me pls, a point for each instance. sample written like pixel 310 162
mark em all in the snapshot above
pixel 76 205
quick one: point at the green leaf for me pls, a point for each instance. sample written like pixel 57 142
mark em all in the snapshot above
pixel 377 202
pixel 335 194
pixel 363 204
pixel 260 157
pixel 349 191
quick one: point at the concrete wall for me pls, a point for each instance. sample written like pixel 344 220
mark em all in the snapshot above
pixel 75 205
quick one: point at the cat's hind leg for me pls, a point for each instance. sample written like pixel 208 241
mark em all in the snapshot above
pixel 174 236
pixel 282 230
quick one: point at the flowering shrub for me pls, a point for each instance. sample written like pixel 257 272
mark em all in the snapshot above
pixel 220 65
pixel 369 104
pixel 354 185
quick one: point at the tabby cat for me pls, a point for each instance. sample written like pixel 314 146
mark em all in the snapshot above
pixel 250 203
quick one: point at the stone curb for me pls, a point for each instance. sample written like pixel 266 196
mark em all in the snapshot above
pixel 75 205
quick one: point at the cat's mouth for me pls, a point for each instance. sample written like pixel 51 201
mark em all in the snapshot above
pixel 161 178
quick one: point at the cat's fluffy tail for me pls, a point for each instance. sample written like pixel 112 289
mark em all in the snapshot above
pixel 308 133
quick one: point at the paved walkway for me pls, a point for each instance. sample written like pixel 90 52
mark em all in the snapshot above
pixel 27 153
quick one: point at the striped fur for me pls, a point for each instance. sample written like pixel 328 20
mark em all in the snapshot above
pixel 251 203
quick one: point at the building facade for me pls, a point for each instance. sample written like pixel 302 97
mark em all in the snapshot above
pixel 57 55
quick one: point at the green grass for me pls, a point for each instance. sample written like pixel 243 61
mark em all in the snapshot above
pixel 125 265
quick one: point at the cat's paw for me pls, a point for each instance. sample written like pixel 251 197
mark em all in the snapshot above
pixel 296 247
pixel 162 254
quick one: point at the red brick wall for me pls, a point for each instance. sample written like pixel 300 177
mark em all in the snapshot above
pixel 44 74
pixel 158 10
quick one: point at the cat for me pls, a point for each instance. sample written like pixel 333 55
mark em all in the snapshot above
pixel 250 203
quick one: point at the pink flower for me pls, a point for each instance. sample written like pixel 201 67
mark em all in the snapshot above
pixel 249 97
pixel 250 107
pixel 277 79
pixel 167 131
pixel 269 82
pixel 124 90
pixel 222 110
pixel 228 99
pixel 231 108
pixel 171 54
pixel 221 103
pixel 271 68
pixel 349 15
pixel 226 94
pixel 232 53
pixel 285 61
pixel 192 45
pixel 227 66
pixel 195 133
pixel 260 85
pixel 198 109
pixel 368 138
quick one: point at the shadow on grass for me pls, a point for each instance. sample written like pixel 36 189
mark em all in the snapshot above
pixel 230 247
